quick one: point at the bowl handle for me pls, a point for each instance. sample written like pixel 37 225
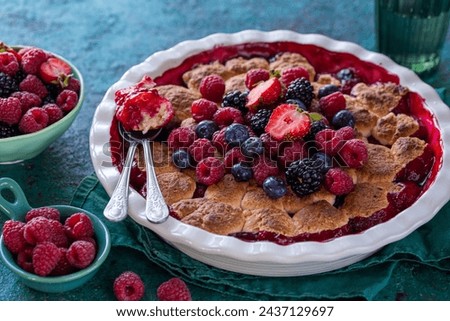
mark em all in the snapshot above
pixel 17 208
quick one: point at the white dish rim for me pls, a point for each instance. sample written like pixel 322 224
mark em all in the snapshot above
pixel 176 232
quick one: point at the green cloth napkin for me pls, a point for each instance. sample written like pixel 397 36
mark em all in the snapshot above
pixel 415 268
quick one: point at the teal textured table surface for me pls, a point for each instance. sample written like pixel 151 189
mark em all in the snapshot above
pixel 105 38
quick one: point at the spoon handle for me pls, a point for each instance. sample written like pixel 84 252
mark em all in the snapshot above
pixel 156 209
pixel 117 207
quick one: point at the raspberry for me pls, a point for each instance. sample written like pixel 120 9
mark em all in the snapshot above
pixel 80 254
pixel 8 63
pixel 67 100
pixel 25 259
pixel 54 113
pixel 255 76
pixel 291 74
pixel 173 290
pixel 218 141
pixel 47 212
pixel 331 104
pixel 233 156
pixel 338 182
pixel 329 141
pixel 59 237
pixel 34 85
pixel 200 149
pixel 212 87
pixel 27 100
pixel 203 109
pixel 74 85
pixel 128 286
pixel 225 116
pixel 89 239
pixel 38 230
pixel 210 171
pixel 354 153
pixel 10 110
pixel 263 168
pixel 45 258
pixel 79 225
pixel 63 267
pixel 346 133
pixel 272 147
pixel 13 236
pixel 292 151
pixel 33 120
pixel 181 137
pixel 32 59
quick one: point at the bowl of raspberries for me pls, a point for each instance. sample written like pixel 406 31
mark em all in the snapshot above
pixel 41 93
pixel 52 248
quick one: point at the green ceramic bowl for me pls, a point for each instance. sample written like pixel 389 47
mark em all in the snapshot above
pixel 23 147
pixel 16 210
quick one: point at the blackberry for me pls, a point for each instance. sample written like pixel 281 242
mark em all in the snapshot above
pixel 235 99
pixel 301 89
pixel 20 75
pixel 305 176
pixel 8 85
pixel 316 127
pixel 48 100
pixel 259 121
pixel 53 90
pixel 8 131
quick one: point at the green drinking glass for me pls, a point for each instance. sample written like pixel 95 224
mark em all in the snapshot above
pixel 412 32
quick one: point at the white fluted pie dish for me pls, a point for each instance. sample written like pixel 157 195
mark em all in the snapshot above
pixel 267 258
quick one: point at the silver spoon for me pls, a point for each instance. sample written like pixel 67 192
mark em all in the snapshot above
pixel 156 209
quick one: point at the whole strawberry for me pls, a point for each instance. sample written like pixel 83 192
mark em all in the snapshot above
pixel 174 290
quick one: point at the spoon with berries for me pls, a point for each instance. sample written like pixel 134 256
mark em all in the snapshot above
pixel 141 114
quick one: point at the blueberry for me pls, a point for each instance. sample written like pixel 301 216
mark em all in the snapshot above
pixel 323 160
pixel 241 172
pixel 343 118
pixel 236 134
pixel 327 90
pixel 181 159
pixel 274 187
pixel 206 129
pixel 297 102
pixel 252 147
pixel 345 74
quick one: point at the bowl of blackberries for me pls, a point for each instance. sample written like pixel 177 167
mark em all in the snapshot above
pixel 41 93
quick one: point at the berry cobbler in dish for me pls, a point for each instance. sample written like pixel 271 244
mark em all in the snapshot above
pixel 285 142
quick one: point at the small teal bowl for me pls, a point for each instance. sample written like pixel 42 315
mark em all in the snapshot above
pixel 16 210
pixel 19 148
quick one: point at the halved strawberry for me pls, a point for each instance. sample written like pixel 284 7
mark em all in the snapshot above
pixel 265 93
pixel 288 122
pixel 55 71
